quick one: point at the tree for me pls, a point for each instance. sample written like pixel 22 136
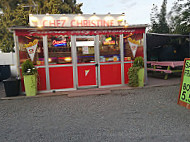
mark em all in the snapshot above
pixel 179 17
pixel 158 20
pixel 162 24
pixel 154 19
pixel 16 13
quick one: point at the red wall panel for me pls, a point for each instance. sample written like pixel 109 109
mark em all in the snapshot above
pixel 86 75
pixel 110 74
pixel 61 77
pixel 41 79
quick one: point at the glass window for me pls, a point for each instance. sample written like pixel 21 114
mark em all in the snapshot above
pixel 85 50
pixel 59 49
pixel 109 48
pixel 133 46
pixel 31 47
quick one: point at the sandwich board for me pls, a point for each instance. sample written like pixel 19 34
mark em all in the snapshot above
pixel 184 93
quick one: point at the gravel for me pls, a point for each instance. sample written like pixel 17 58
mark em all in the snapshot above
pixel 147 114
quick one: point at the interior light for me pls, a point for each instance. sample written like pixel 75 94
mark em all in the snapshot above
pixel 68 59
pixel 49 60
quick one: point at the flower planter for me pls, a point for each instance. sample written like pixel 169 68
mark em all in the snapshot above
pixel 30 83
pixel 140 74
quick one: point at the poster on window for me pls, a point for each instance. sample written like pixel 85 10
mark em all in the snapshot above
pixel 31 48
pixel 85 50
pixel 133 45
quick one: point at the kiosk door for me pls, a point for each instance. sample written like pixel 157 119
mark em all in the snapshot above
pixel 86 61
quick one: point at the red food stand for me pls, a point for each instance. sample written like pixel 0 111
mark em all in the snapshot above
pixel 79 51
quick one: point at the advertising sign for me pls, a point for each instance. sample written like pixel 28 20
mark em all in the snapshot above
pixel 31 48
pixel 85 50
pixel 184 93
pixel 76 20
pixel 133 45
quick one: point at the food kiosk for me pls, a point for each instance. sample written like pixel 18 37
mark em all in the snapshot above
pixel 73 51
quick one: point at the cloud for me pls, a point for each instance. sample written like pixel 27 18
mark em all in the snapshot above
pixel 132 4
pixel 110 5
pixel 125 1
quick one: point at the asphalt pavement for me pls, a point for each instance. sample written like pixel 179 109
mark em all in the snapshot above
pixel 139 115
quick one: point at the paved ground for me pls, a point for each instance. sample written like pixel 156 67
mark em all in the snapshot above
pixel 148 114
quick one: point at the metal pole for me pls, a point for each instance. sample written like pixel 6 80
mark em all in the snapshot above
pixel 145 58
pixel 17 54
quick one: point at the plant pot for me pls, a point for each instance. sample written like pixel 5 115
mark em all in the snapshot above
pixel 30 84
pixel 140 74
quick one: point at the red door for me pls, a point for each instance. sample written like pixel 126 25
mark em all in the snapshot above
pixel 86 62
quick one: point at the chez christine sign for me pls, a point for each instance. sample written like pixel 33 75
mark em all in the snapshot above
pixel 76 20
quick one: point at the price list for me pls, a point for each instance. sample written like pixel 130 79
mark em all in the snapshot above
pixel 185 88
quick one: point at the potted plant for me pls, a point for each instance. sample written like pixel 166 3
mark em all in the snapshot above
pixel 29 73
pixel 136 73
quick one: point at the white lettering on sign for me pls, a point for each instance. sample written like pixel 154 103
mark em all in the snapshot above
pixel 74 20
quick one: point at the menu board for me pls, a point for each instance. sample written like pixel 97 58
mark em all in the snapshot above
pixel 184 93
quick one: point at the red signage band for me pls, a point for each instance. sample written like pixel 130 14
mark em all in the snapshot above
pixel 78 32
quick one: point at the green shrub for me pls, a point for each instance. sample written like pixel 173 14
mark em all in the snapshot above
pixel 28 68
pixel 133 77
pixel 139 62
pixel 132 73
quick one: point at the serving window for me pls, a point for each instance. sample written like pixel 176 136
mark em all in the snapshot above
pixel 31 47
pixel 85 50
pixel 59 49
pixel 109 48
pixel 133 46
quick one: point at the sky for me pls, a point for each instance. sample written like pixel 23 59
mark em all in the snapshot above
pixel 136 11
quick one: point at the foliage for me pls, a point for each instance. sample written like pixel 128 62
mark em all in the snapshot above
pixel 158 20
pixel 132 73
pixel 154 19
pixel 133 76
pixel 139 62
pixel 179 17
pixel 16 12
pixel 28 68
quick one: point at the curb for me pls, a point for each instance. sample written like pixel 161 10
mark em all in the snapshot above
pixel 79 94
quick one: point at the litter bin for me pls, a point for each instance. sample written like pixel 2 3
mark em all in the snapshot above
pixel 12 87
pixel 5 72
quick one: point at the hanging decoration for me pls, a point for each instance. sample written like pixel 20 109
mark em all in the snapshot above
pixel 31 48
pixel 133 45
